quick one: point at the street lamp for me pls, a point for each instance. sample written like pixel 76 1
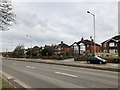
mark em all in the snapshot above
pixel 31 45
pixel 94 29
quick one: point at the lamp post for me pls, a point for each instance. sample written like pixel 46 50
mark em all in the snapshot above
pixel 94 29
pixel 31 45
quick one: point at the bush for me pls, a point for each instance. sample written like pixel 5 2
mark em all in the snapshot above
pixel 81 58
pixel 112 59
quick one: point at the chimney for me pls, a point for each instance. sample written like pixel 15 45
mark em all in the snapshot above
pixel 82 39
pixel 61 42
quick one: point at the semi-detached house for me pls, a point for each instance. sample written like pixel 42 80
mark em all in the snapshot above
pixel 112 45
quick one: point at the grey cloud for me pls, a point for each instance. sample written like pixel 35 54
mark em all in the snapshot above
pixel 49 23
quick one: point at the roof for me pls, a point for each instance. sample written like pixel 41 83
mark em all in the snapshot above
pixel 106 41
pixel 88 42
pixel 35 47
pixel 73 44
pixel 63 45
pixel 115 38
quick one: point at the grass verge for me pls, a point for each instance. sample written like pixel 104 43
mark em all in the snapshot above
pixel 5 85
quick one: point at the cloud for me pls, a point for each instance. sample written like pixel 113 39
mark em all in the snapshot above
pixel 65 0
pixel 52 22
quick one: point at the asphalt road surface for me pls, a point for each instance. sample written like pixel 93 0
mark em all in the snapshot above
pixel 38 75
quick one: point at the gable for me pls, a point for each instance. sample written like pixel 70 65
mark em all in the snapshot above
pixel 113 39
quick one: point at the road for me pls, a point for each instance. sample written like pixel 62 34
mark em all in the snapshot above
pixel 38 75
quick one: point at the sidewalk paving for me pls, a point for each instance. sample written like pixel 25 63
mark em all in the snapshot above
pixel 71 62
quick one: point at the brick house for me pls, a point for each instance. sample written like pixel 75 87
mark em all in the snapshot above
pixel 33 52
pixel 49 50
pixel 62 48
pixel 36 49
pixel 84 46
pixel 112 45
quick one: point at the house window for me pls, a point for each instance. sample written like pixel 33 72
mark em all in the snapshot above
pixel 59 48
pixel 82 48
pixel 104 44
pixel 105 51
pixel 115 44
pixel 87 45
pixel 113 51
pixel 111 44
pixel 76 49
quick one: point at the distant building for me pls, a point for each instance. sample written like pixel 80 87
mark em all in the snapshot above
pixel 36 49
pixel 112 45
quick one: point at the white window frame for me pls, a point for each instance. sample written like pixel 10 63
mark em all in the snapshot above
pixel 112 44
pixel 113 51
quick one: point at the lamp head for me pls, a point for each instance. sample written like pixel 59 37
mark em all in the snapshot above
pixel 88 12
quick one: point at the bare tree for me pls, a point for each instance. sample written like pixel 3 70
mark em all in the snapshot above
pixel 19 51
pixel 7 17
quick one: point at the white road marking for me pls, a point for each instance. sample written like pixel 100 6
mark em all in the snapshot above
pixel 30 67
pixel 70 75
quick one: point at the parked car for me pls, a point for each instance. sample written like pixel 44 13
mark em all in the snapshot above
pixel 96 60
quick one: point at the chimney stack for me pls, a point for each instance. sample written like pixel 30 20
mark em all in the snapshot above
pixel 82 39
pixel 61 42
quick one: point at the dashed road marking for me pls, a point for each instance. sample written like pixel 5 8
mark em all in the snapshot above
pixel 65 74
pixel 30 67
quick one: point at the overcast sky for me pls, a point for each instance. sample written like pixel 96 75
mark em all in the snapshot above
pixel 52 22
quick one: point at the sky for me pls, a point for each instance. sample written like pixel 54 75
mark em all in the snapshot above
pixel 49 22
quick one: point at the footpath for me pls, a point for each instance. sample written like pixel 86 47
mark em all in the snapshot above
pixel 71 62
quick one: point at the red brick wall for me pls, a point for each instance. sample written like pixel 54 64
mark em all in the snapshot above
pixel 65 50
pixel 90 48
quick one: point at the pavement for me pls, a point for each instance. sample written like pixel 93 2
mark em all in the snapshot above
pixel 71 62
pixel 40 75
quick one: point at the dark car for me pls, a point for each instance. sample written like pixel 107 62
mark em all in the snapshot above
pixel 96 60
